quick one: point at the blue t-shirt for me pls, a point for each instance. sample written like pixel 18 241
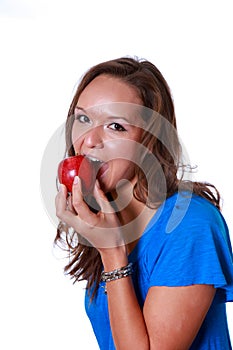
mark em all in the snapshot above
pixel 185 243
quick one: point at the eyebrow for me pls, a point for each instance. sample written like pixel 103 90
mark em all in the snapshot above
pixel 110 117
pixel 82 109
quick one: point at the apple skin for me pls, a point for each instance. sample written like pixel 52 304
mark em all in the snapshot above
pixel 79 165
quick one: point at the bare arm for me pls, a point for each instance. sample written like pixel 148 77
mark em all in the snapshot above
pixel 174 315
pixel 126 318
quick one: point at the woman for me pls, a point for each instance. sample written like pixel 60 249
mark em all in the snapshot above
pixel 154 247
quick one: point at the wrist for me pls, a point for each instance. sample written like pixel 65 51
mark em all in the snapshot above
pixel 114 258
pixel 117 274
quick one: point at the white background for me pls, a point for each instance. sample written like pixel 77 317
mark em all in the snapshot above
pixel 45 47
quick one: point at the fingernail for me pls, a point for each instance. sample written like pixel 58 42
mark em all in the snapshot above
pixel 76 180
pixel 97 184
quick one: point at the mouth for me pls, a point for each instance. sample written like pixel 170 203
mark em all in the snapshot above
pixel 99 165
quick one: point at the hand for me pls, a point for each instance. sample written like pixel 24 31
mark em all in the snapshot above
pixel 102 229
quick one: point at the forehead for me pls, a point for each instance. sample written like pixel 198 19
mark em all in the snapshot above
pixel 108 89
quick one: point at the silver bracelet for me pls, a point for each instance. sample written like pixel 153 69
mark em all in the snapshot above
pixel 117 273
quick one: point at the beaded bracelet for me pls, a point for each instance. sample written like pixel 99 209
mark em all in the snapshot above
pixel 117 274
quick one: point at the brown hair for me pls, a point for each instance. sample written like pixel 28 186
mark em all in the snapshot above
pixel 85 262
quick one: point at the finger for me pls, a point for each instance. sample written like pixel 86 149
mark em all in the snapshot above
pixel 62 213
pixel 78 202
pixel 60 201
pixel 70 204
pixel 102 200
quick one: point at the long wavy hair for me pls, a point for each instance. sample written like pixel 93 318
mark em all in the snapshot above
pixel 154 92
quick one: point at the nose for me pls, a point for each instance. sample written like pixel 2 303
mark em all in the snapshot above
pixel 93 138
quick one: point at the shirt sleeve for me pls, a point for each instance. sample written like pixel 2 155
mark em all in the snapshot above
pixel 198 251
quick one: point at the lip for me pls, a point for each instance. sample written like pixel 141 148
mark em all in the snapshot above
pixel 102 170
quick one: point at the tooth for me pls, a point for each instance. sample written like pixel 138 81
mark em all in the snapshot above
pixel 94 159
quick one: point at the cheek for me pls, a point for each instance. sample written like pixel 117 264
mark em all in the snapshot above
pixel 74 134
pixel 128 150
pixel 76 144
pixel 76 138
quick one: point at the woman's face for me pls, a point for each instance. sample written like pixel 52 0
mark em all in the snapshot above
pixel 108 129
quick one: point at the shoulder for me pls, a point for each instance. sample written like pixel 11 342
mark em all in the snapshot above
pixel 187 210
pixel 187 220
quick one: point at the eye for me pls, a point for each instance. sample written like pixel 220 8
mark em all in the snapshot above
pixel 82 118
pixel 117 127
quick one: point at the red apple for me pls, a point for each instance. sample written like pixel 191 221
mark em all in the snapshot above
pixel 79 165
